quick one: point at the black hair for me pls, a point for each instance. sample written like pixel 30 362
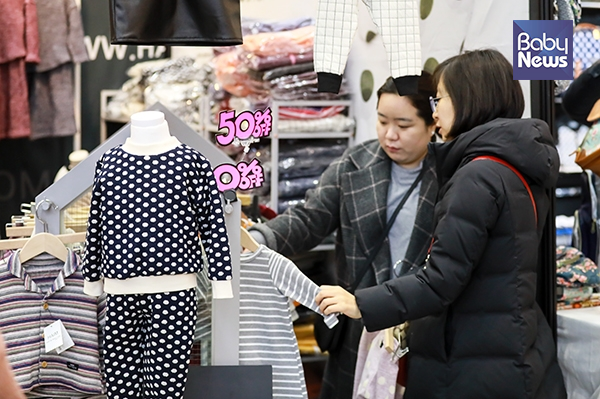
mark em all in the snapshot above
pixel 481 87
pixel 420 100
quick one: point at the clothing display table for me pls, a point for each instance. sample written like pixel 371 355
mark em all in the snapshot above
pixel 578 336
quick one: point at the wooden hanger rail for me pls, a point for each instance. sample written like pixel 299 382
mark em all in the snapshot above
pixel 16 243
pixel 248 242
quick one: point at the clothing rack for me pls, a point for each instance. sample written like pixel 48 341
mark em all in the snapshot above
pixel 52 201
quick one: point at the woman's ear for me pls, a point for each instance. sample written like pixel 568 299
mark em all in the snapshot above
pixel 432 128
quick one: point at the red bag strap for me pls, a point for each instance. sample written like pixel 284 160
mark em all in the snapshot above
pixel 516 172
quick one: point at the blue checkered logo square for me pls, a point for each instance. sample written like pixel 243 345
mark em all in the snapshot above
pixel 543 50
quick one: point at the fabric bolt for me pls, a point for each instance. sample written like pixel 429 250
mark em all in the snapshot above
pixel 267 62
pixel 314 149
pixel 287 43
pixel 351 199
pixel 267 280
pixel 146 214
pixel 310 113
pixel 574 269
pixel 293 167
pixel 398 23
pixel 296 187
pixel 253 27
pixel 51 101
pixel 35 294
pixel 287 70
pixel 285 203
pixel 148 339
pixel 336 123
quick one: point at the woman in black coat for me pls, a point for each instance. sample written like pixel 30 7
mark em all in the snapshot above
pixel 476 331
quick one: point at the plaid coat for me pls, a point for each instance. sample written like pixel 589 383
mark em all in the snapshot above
pixel 351 199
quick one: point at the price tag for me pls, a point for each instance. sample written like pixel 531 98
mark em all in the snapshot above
pixel 57 338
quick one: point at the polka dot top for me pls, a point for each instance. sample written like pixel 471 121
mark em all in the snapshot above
pixel 146 213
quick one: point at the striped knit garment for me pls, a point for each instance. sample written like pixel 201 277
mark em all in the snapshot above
pixel 267 280
pixel 32 296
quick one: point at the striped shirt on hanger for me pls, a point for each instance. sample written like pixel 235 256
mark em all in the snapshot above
pixel 32 296
pixel 267 280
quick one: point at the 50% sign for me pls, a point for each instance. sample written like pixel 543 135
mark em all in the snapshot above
pixel 243 176
pixel 245 128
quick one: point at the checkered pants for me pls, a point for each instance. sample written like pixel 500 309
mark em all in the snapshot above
pixel 398 23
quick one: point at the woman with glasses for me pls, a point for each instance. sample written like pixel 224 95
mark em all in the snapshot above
pixel 475 328
pixel 355 198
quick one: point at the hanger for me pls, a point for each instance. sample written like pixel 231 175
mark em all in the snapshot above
pixel 248 242
pixel 43 243
pixel 16 243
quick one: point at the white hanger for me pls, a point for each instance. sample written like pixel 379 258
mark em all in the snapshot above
pixel 248 242
pixel 15 243
pixel 43 243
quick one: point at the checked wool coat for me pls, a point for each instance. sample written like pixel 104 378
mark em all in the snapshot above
pixel 351 200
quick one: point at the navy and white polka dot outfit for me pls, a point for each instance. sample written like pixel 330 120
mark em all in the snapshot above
pixel 147 344
pixel 146 213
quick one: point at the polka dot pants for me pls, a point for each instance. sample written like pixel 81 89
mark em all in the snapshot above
pixel 147 344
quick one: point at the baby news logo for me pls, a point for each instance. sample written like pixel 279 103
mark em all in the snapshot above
pixel 543 50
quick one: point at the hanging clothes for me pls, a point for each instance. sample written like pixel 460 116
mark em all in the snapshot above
pixel 35 294
pixel 267 281
pixel 52 86
pixel 398 23
pixel 176 22
pixel 18 46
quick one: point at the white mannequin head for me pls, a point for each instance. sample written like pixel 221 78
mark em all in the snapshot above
pixel 149 127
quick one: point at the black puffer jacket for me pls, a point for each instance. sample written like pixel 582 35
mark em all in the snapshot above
pixel 477 331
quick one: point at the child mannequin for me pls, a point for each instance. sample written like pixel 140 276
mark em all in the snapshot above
pixel 152 197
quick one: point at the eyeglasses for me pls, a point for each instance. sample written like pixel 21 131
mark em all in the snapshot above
pixel 433 102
